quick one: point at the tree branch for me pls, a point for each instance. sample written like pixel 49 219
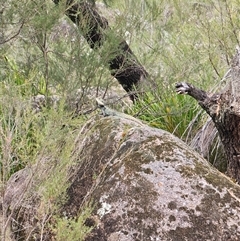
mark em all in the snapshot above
pixel 123 64
pixel 15 35
pixel 224 109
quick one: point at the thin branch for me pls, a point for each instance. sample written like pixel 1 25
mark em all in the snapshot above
pixel 15 35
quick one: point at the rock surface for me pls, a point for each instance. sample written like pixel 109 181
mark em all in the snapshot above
pixel 148 185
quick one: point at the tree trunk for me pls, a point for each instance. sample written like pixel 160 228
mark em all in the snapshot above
pixel 122 62
pixel 224 109
pixel 207 142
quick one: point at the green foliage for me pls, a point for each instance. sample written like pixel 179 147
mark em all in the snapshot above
pixel 42 52
pixel 179 41
pixel 21 129
pixel 28 138
pixel 70 229
pixel 172 112
pixel 175 40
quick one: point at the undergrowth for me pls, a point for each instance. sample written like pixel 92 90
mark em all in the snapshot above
pixel 42 52
pixel 30 137
pixel 179 41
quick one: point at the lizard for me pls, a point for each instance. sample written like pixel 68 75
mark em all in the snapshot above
pixel 106 111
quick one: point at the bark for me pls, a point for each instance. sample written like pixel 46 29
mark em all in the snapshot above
pixel 224 109
pixel 123 64
pixel 207 142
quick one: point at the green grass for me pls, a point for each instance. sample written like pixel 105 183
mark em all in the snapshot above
pixel 172 113
pixel 74 230
pixel 179 41
pixel 175 41
pixel 29 138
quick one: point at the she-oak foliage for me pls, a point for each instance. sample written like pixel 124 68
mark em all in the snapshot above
pixel 42 51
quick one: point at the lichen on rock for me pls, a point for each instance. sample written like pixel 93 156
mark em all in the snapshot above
pixel 147 184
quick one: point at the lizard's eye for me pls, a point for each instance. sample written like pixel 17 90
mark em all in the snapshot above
pixel 100 105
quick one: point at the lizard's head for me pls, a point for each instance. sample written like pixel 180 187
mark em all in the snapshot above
pixel 100 103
